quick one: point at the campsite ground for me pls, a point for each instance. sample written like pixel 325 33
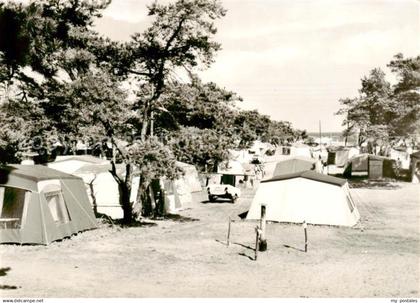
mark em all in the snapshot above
pixel 189 258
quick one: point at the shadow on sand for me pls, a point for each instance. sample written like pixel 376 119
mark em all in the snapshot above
pixel 218 201
pixel 245 255
pixel 3 272
pixel 179 218
pixel 374 184
pixel 295 248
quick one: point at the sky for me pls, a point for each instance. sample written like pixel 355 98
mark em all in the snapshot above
pixel 294 59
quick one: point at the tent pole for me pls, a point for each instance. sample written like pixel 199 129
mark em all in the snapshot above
pixel 257 233
pixel 263 240
pixel 228 234
pixel 44 228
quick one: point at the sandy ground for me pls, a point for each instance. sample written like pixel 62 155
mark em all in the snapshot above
pixel 379 258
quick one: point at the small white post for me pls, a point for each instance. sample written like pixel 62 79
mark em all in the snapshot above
pixel 306 235
pixel 228 233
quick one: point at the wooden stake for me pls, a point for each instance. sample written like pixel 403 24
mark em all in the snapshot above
pixel 263 240
pixel 257 240
pixel 152 122
pixel 228 233
pixel 306 235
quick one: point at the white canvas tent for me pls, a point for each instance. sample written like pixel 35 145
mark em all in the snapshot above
pixel 300 149
pixel 242 156
pixel 177 195
pixel 99 182
pixel 178 192
pixel 401 155
pixel 70 164
pixel 231 168
pixel 339 155
pixel 294 165
pixel 190 176
pixel 305 196
pixel 297 149
pixel 101 185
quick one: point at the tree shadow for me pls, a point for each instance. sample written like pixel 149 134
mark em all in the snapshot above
pixel 388 184
pixel 243 215
pixel 245 246
pixel 122 224
pixel 221 242
pixel 3 272
pixel 179 218
pixel 218 201
pixel 295 248
pixel 5 172
pixel 245 255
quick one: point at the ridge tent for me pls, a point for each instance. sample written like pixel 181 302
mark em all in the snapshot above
pixel 231 167
pixel 40 205
pixel 190 177
pixel 339 156
pixel 415 167
pixel 99 182
pixel 101 185
pixel 370 165
pixel 178 191
pixel 402 155
pixel 294 165
pixel 70 164
pixel 320 152
pixel 177 194
pixel 305 196
pixel 297 149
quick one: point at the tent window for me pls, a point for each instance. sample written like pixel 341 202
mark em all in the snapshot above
pixel 57 206
pixel 12 201
pixel 350 203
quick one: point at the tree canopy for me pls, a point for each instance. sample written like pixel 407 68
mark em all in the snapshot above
pixel 385 113
pixel 62 83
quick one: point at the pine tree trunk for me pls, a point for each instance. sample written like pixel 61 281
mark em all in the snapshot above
pixel 125 203
pixel 92 195
pixel 144 205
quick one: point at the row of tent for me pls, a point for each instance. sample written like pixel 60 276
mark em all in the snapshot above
pixel 297 192
pixel 39 204
pixel 100 184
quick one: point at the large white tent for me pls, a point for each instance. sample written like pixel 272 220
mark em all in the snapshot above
pixel 294 165
pixel 99 182
pixel 102 187
pixel 70 164
pixel 305 196
pixel 297 149
pixel 190 176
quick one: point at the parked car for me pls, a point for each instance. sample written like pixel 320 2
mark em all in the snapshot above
pixel 223 191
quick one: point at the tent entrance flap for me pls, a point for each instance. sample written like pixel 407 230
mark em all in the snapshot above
pixel 12 202
pixel 57 206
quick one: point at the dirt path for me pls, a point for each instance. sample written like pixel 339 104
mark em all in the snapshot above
pixel 190 259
